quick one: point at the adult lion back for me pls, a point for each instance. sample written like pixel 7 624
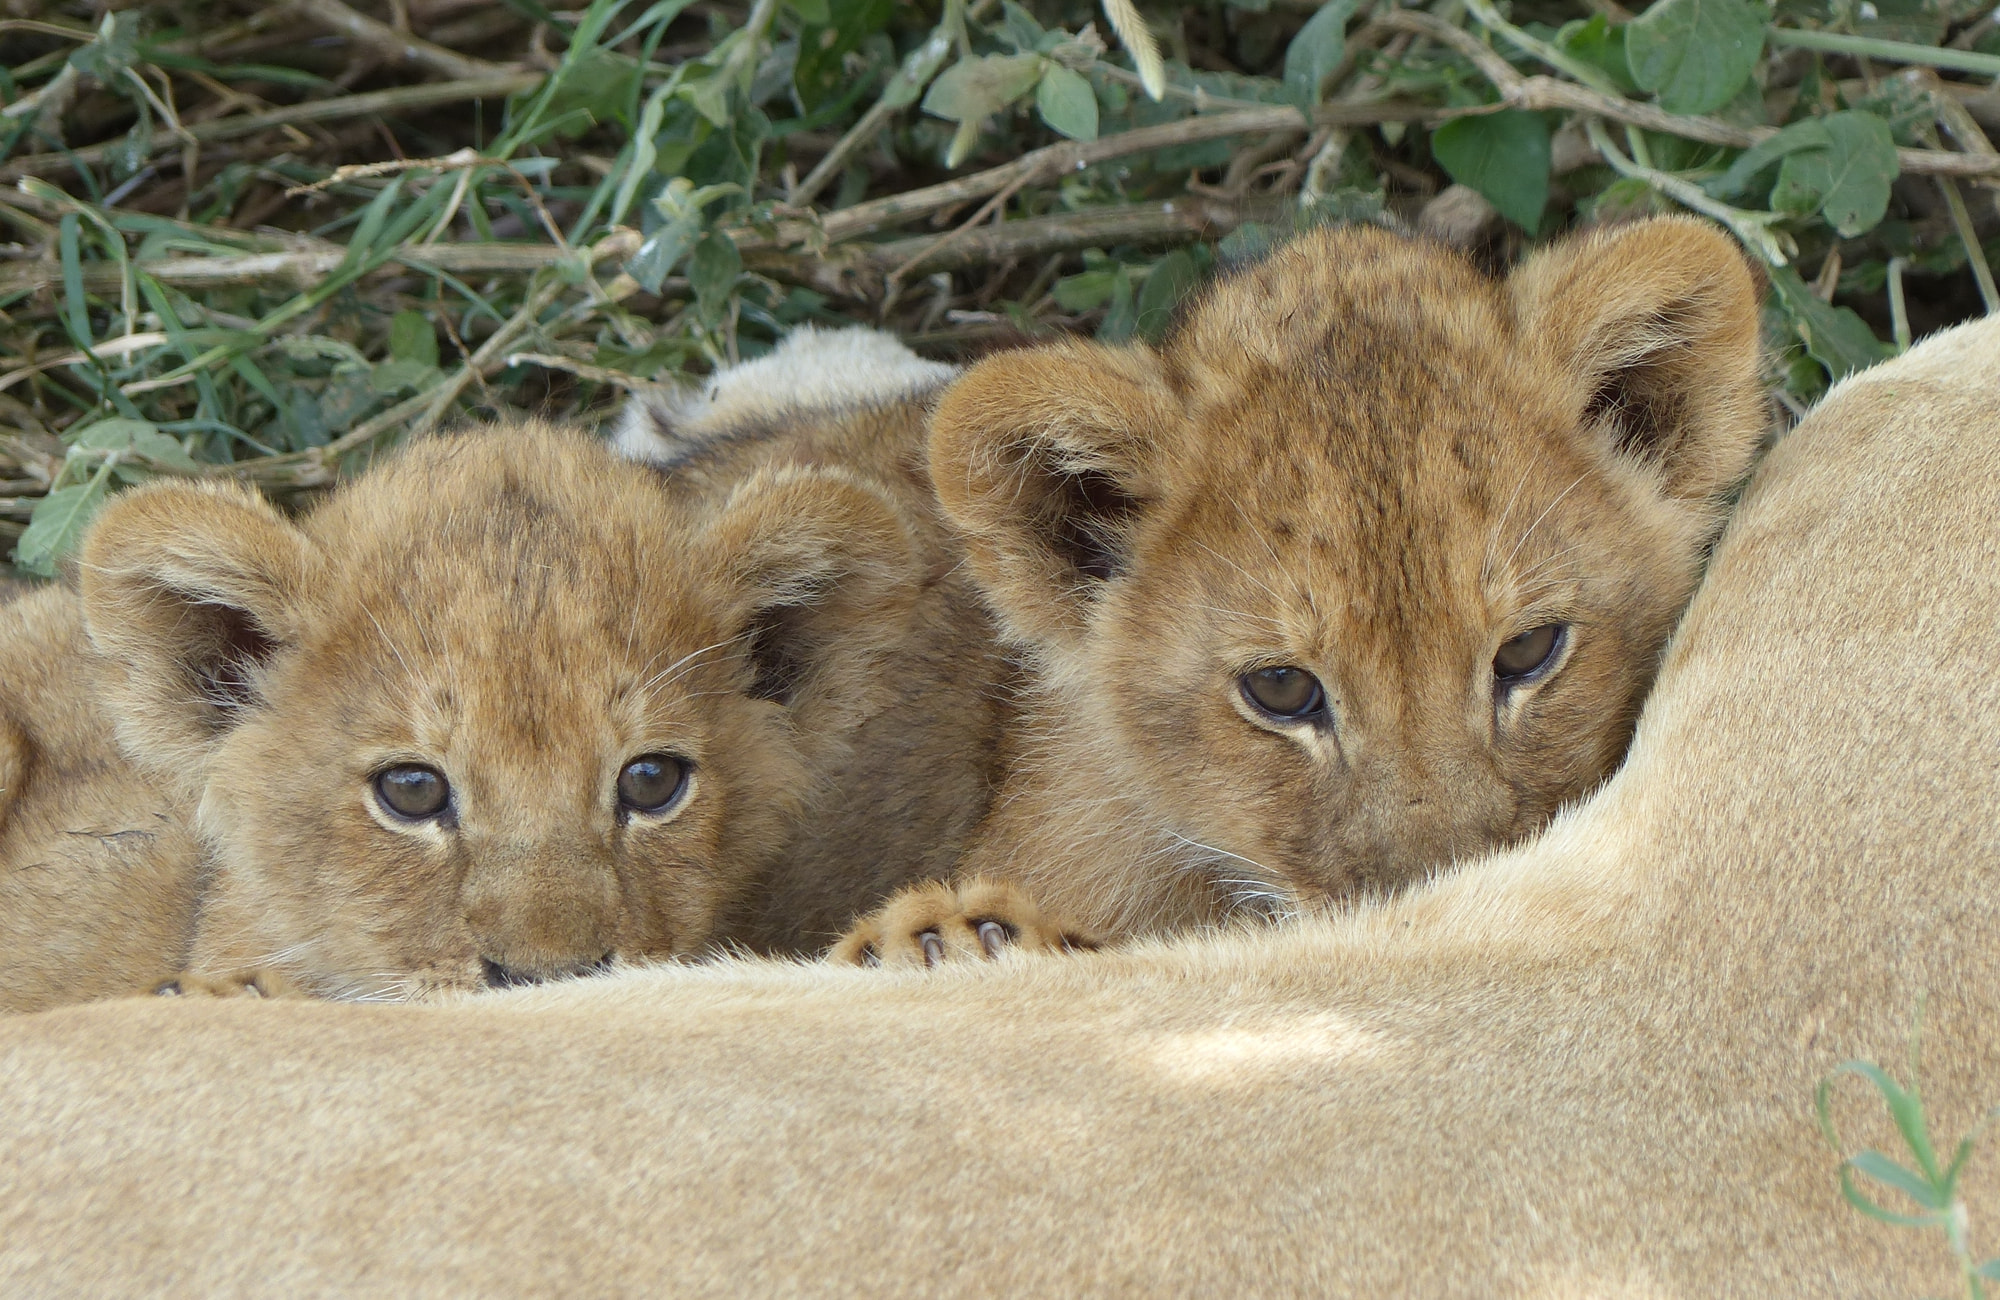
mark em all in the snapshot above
pixel 1585 1066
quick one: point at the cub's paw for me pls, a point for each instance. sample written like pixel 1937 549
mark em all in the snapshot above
pixel 973 920
pixel 248 983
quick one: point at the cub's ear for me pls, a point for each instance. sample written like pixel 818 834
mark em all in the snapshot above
pixel 822 570
pixel 1044 459
pixel 188 591
pixel 1657 323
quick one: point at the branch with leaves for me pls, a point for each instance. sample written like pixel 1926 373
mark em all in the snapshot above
pixel 273 246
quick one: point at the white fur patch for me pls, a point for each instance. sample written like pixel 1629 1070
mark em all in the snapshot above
pixel 811 370
pixel 1248 1054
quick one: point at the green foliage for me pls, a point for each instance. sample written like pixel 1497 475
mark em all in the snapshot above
pixel 1317 50
pixel 358 255
pixel 1505 156
pixel 1927 1184
pixel 1695 54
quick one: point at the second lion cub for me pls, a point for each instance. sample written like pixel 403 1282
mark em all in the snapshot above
pixel 1366 569
pixel 503 708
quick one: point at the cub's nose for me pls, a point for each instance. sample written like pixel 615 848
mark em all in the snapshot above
pixel 502 976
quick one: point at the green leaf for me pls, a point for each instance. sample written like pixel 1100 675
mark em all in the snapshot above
pixel 811 11
pixel 1247 243
pixel 1861 1201
pixel 681 204
pixel 411 338
pixel 642 150
pixel 1505 156
pixel 712 271
pixel 1848 180
pixel 57 525
pixel 1907 1181
pixel 366 231
pixel 1602 46
pixel 396 376
pixel 120 434
pixel 1122 316
pixel 1067 103
pixel 973 89
pixel 115 49
pixel 1809 134
pixel 1834 336
pixel 1695 54
pixel 1018 27
pixel 821 75
pixel 1083 291
pixel 1172 279
pixel 76 307
pixel 1989 1270
pixel 1316 50
pixel 1920 22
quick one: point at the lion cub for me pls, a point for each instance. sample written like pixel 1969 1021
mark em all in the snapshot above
pixel 1364 570
pixel 502 709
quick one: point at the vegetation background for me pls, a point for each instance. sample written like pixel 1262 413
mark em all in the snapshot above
pixel 267 239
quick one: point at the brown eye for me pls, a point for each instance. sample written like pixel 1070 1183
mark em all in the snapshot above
pixel 412 792
pixel 1290 693
pixel 651 781
pixel 1527 654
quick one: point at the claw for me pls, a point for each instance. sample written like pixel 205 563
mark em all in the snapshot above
pixel 993 937
pixel 171 989
pixel 933 947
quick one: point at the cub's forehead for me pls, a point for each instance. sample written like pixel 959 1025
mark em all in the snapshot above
pixel 1356 358
pixel 525 511
pixel 514 545
pixel 1347 302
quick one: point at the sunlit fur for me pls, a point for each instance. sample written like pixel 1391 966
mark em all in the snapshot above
pixel 517 608
pixel 1365 459
pixel 1583 1067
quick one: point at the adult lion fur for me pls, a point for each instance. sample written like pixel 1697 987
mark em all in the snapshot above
pixel 514 617
pixel 1584 1066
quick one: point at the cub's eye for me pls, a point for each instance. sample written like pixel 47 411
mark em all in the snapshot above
pixel 1291 693
pixel 651 781
pixel 411 791
pixel 1528 654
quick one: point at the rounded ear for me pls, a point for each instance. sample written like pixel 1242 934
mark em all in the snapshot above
pixel 188 591
pixel 1658 322
pixel 824 569
pixel 1042 458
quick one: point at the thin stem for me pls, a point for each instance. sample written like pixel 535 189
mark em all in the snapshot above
pixel 1899 313
pixel 1961 220
pixel 1752 228
pixel 1538 94
pixel 1930 56
pixel 1489 17
pixel 372 104
pixel 386 40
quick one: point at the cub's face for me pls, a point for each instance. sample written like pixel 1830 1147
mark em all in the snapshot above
pixel 505 710
pixel 1370 566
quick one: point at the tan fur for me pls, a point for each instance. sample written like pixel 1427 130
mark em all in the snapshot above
pixel 1583 1067
pixel 1366 460
pixel 517 609
pixel 923 769
pixel 97 863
